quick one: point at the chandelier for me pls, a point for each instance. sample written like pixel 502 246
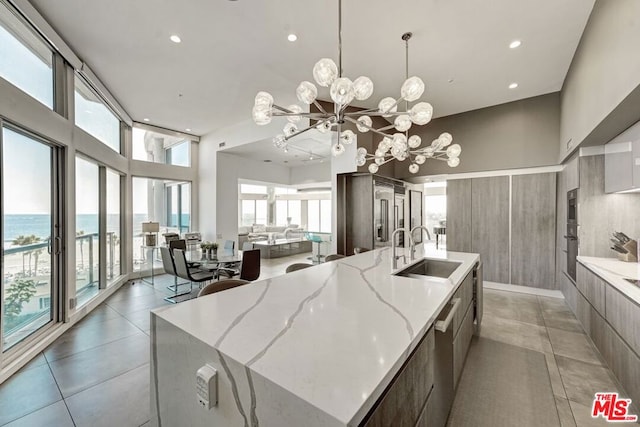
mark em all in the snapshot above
pixel 343 91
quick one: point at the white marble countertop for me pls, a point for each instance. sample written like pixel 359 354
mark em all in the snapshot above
pixel 613 271
pixel 334 335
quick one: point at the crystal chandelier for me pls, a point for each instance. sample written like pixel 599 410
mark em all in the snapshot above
pixel 343 91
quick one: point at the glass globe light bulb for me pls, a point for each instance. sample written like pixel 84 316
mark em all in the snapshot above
pixel 387 105
pixel 280 141
pixel 435 144
pixel 380 153
pixel 420 159
pixel 361 151
pixel 290 129
pixel 261 114
pixel 373 168
pixel 294 109
pixel 421 113
pixel 453 162
pixel 337 149
pixel 379 160
pixel 428 151
pixel 412 89
pixel 365 120
pixel 325 72
pixel 347 137
pixel 414 141
pixel 399 141
pixel 324 127
pixel 386 143
pixel 413 168
pixel 445 139
pixel 342 91
pixel 360 161
pixel 454 150
pixel 401 156
pixel 402 123
pixel 362 88
pixel 264 98
pixel 307 92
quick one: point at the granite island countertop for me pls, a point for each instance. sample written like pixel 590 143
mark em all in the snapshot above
pixel 614 271
pixel 333 335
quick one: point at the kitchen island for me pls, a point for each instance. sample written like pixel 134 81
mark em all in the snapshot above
pixel 317 347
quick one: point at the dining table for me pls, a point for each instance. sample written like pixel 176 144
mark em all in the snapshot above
pixel 223 259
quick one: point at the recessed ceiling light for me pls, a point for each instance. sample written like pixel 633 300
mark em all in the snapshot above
pixel 292 37
pixel 176 39
pixel 513 85
pixel 146 119
pixel 514 44
pixel 188 129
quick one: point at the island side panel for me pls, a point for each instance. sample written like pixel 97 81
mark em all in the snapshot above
pixel 244 397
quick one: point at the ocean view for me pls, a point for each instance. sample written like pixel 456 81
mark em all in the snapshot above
pixel 39 225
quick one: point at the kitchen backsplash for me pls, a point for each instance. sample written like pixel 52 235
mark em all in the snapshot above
pixel 600 214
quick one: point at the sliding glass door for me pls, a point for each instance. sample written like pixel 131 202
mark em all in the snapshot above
pixel 30 231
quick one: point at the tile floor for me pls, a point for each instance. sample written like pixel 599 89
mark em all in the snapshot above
pixel 542 328
pixel 97 373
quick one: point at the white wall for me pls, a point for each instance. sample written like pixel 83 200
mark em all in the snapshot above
pixel 229 169
pixel 308 174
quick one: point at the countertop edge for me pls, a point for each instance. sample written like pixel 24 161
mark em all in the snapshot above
pixel 598 266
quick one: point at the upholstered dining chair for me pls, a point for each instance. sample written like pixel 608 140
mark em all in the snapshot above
pixel 333 257
pixel 221 285
pixel 170 268
pixel 297 266
pixel 249 266
pixel 182 270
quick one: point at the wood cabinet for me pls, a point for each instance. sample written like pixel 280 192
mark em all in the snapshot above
pixel 461 344
pixel 592 287
pixel 611 320
pixel 533 230
pixel 405 400
pixel 459 215
pixel 490 225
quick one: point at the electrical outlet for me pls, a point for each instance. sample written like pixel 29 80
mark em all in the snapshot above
pixel 72 303
pixel 207 386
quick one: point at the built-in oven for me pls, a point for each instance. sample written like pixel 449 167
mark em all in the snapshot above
pixel 572 232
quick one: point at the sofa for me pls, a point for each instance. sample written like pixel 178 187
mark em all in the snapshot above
pixel 261 232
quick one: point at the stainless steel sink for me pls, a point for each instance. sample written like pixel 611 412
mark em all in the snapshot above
pixel 430 267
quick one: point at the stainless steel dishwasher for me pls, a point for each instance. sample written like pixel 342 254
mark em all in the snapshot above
pixel 440 402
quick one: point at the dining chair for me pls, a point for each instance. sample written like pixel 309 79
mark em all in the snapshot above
pixel 333 257
pixel 297 266
pixel 178 244
pixel 357 251
pixel 170 268
pixel 250 267
pixel 222 285
pixel 182 270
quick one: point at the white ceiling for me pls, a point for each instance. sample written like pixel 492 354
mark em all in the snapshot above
pixel 232 49
pixel 311 148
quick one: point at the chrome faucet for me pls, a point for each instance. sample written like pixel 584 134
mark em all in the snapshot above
pixel 413 245
pixel 394 258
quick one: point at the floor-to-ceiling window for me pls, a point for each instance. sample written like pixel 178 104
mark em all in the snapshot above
pixel 30 234
pixel 87 230
pixel 164 201
pixel 160 147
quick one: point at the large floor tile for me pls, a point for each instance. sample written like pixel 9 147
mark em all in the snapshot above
pixel 88 368
pixel 142 319
pixel 26 392
pixel 132 290
pixel 89 336
pixel 122 401
pixel 503 385
pixel 564 413
pixel 55 415
pixel 99 314
pixel 574 345
pixel 141 302
pixel 557 314
pixel 583 380
pixel 514 306
pixel 554 376
pixel 514 332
